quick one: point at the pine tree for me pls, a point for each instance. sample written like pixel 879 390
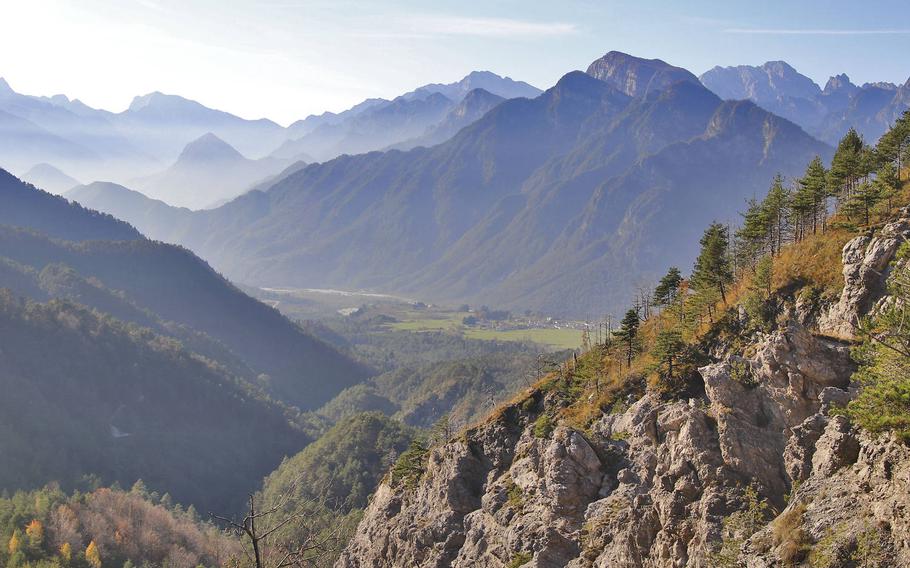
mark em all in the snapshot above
pixel 750 238
pixel 846 166
pixel 776 206
pixel 810 199
pixel 668 348
pixel 667 288
pixel 627 333
pixel 34 531
pixel 712 267
pixel 862 201
pixel 15 542
pixel 893 144
pixel 139 488
pixel 758 295
pixel 887 182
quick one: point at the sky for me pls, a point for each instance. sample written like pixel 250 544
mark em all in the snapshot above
pixel 286 59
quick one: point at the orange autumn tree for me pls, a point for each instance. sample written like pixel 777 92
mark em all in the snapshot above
pixel 93 555
pixel 35 533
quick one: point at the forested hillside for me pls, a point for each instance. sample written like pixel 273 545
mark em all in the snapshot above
pixel 125 358
pixel 332 479
pixel 89 395
pixel 52 529
pixel 640 319
pixel 461 390
pixel 27 206
pixel 176 286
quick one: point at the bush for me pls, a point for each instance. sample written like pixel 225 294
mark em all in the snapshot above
pixel 870 547
pixel 883 403
pixel 520 559
pixel 741 372
pixel 515 495
pixel 411 465
pixel 738 527
pixel 619 436
pixel 789 536
pixel 544 426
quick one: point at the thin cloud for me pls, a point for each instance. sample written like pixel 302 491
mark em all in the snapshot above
pixel 832 32
pixel 488 27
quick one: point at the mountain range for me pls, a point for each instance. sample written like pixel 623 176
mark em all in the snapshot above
pixel 825 113
pixel 424 116
pixel 585 179
pixel 143 141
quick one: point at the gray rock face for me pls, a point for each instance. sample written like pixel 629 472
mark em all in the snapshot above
pixel 836 448
pixel 772 81
pixel 789 371
pixel 865 262
pixel 855 505
pixel 636 76
pixel 650 487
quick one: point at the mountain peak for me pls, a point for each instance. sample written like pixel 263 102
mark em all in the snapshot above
pixel 478 95
pixel 838 83
pixel 157 99
pixel 482 74
pixel 49 178
pixel 779 67
pixel 576 79
pixel 5 89
pixel 767 83
pixel 60 100
pixel 884 85
pixel 142 101
pixel 636 76
pixel 505 87
pixel 476 102
pixel 209 148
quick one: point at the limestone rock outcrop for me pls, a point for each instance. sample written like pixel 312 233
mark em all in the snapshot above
pixel 865 261
pixel 650 486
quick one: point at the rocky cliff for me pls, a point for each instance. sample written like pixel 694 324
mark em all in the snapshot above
pixel 655 481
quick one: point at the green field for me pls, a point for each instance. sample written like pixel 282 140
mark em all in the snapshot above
pixel 422 322
pixel 558 338
pixel 551 337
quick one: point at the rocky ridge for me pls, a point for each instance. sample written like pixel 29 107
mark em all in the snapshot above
pixel 651 484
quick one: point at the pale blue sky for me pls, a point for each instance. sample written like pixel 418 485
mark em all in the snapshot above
pixel 284 59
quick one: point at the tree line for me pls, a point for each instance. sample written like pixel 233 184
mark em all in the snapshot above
pixel 859 180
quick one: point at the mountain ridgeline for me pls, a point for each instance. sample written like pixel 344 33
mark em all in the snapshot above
pixel 825 113
pixel 144 142
pixel 585 179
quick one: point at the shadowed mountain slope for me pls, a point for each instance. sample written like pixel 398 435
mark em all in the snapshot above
pixel 176 286
pixel 582 180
